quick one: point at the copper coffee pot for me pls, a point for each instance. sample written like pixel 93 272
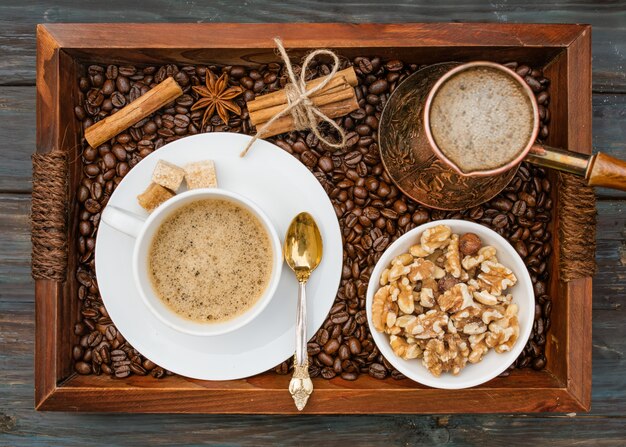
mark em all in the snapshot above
pixel 423 172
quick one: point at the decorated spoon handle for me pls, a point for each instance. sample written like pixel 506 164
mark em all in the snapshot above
pixel 301 349
pixel 301 385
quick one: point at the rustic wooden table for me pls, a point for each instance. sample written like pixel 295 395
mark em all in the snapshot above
pixel 21 425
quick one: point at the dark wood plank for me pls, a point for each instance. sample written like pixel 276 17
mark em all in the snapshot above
pixel 18 20
pixel 15 281
pixel 610 280
pixel 17 137
pixel 609 132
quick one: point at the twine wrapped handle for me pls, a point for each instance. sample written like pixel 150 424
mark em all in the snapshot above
pixel 305 114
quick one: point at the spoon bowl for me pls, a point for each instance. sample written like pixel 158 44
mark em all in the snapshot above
pixel 303 246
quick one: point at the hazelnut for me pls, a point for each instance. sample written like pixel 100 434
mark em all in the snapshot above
pixel 469 244
pixel 447 282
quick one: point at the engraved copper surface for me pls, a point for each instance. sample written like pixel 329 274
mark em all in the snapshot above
pixel 409 159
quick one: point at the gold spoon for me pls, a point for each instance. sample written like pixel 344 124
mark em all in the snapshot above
pixel 303 253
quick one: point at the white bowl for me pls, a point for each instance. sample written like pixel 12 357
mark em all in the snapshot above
pixel 492 363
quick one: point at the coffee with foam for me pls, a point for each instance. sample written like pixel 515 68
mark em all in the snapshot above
pixel 481 119
pixel 210 261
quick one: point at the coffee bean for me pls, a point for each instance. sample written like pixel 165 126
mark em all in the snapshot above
pixel 109 160
pixel 365 66
pixel 381 243
pixel 313 348
pixel 84 228
pixel 377 371
pixel 110 332
pixel 309 159
pixel 344 352
pixel 378 87
pixel 394 65
pixel 353 158
pixel 500 221
pixel 383 189
pixel 389 213
pixel 533 84
pixel 371 213
pixel 360 192
pixel 118 355
pixel 341 317
pixel 397 375
pixel 327 373
pixel 337 365
pixel 354 345
pixel 127 70
pixel 349 376
pixel 123 84
pixel 331 347
pixel 94 339
pixel 400 206
pixel 502 204
pixel 539 362
pixel 77 352
pixel 82 368
pixel 326 164
pixel 420 216
pixel 118 100
pixel 136 368
pixel 519 208
pixel 322 336
pixel 111 72
pixel 157 372
pixel 521 249
pixel 122 371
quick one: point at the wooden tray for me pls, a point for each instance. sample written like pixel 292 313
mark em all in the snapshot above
pixel 563 50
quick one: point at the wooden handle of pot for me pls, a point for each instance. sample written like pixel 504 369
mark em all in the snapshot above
pixel 148 103
pixel 607 171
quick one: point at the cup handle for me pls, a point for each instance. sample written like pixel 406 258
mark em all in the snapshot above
pixel 123 220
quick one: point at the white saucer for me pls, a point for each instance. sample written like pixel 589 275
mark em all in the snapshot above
pixel 282 187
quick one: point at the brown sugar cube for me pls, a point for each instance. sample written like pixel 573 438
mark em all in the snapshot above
pixel 168 175
pixel 153 196
pixel 201 174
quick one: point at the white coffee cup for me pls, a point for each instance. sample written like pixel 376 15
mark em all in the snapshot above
pixel 143 230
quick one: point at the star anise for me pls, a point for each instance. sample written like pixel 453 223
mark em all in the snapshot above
pixel 217 96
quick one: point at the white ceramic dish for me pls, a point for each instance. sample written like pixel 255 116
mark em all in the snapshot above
pixel 493 363
pixel 282 187
pixel 144 230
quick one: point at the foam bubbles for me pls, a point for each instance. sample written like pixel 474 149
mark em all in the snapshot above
pixel 210 261
pixel 481 119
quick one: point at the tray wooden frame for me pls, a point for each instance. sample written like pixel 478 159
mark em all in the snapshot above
pixel 563 50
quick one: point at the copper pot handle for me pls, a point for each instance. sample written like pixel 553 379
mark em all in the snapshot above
pixel 598 169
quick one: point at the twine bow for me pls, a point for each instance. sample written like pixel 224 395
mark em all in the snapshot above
pixel 305 114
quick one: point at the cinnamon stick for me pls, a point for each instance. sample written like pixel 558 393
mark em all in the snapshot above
pixel 137 110
pixel 277 98
pixel 334 110
pixel 336 94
